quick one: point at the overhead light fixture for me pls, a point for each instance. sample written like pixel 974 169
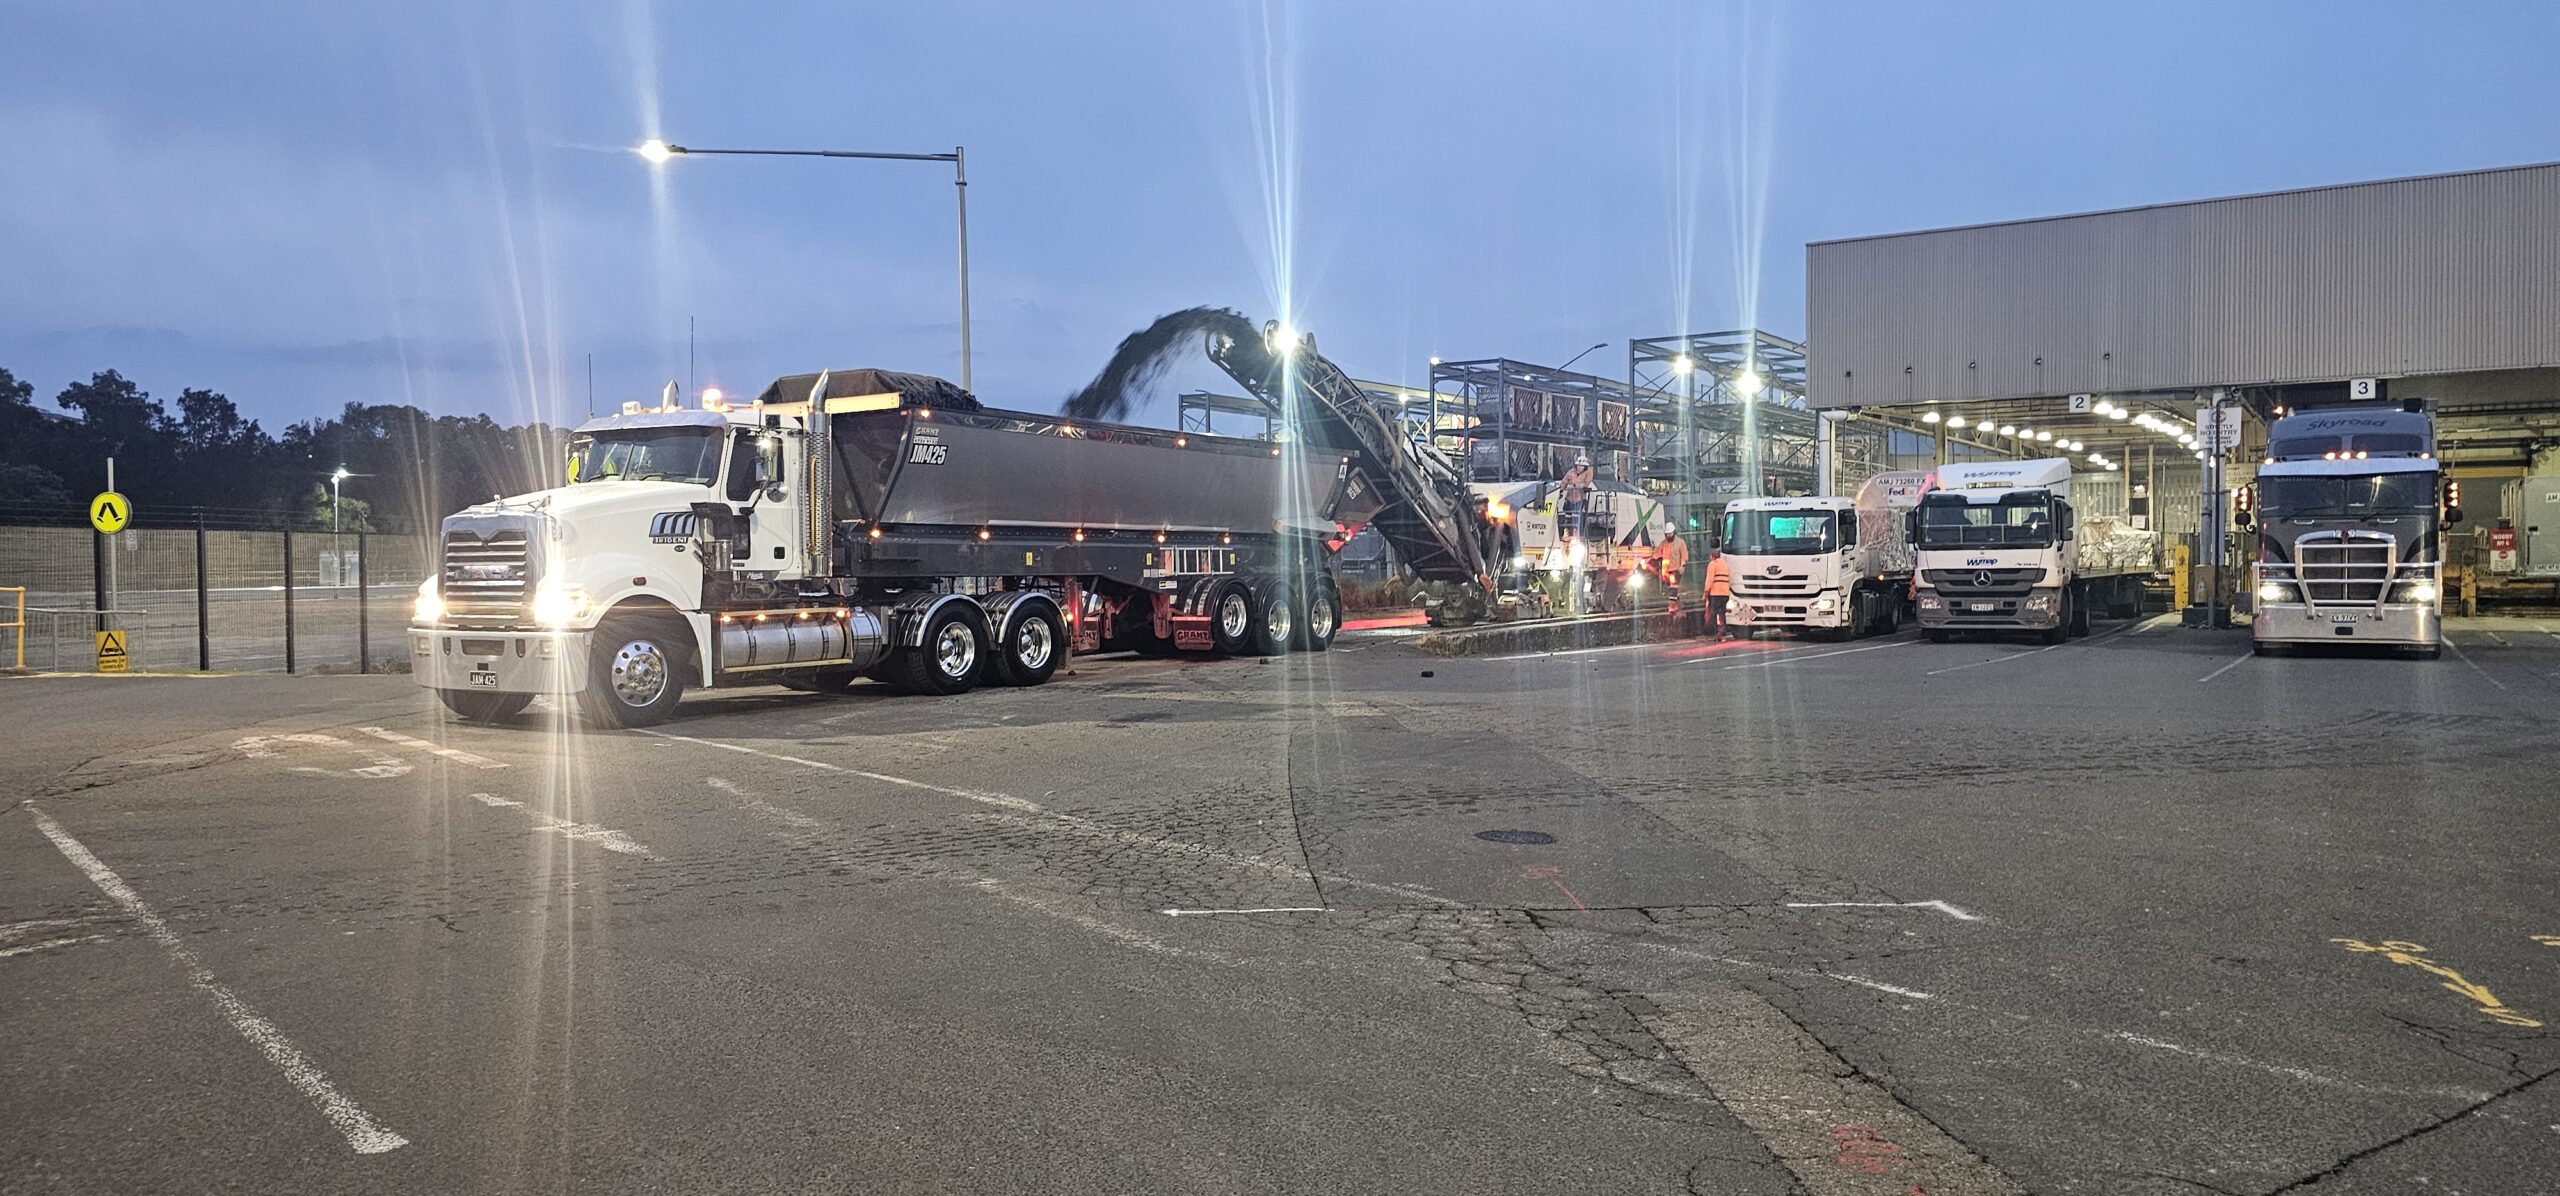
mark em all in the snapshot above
pixel 1955 421
pixel 1928 417
pixel 2008 429
pixel 2119 413
pixel 1682 364
pixel 2044 437
pixel 1749 383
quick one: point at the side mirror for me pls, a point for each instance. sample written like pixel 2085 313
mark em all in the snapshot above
pixel 2245 520
pixel 1911 526
pixel 2452 515
pixel 768 461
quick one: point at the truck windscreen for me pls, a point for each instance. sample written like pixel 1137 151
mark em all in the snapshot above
pixel 2015 520
pixel 2362 494
pixel 647 455
pixel 1780 533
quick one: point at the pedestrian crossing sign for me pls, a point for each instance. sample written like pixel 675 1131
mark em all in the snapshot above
pixel 111 652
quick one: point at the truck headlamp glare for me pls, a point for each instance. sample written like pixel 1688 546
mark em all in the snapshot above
pixel 2273 591
pixel 430 603
pixel 558 606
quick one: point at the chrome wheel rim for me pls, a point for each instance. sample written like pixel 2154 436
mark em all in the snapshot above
pixel 1234 615
pixel 639 673
pixel 1278 620
pixel 1320 619
pixel 955 650
pixel 1032 643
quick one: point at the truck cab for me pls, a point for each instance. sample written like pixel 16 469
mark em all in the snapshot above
pixel 524 583
pixel 1837 564
pixel 1996 549
pixel 2349 521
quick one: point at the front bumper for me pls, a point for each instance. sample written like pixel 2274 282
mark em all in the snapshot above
pixel 2009 612
pixel 506 662
pixel 2412 623
pixel 1787 611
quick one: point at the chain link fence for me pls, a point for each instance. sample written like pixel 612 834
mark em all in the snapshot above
pixel 199 598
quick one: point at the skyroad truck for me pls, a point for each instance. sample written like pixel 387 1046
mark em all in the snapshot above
pixel 1998 547
pixel 1830 564
pixel 867 523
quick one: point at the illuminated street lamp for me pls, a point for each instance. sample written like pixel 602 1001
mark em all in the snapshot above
pixel 334 479
pixel 1749 383
pixel 657 152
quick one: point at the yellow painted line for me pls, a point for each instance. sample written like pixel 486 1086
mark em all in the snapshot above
pixel 2411 954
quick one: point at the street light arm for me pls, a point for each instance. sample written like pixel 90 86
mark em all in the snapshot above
pixel 766 153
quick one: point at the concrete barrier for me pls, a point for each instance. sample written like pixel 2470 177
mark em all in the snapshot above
pixel 1548 635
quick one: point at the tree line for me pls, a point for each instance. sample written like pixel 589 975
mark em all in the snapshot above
pixel 408 469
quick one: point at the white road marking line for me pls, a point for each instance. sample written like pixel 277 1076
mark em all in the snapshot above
pixel 1267 909
pixel 2289 1072
pixel 584 832
pixel 455 754
pixel 48 944
pixel 1994 660
pixel 363 1134
pixel 2236 663
pixel 2465 657
pixel 1771 969
pixel 1791 658
pixel 1933 903
pixel 1576 651
pixel 1083 825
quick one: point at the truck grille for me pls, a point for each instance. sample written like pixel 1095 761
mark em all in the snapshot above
pixel 2334 569
pixel 484 580
pixel 1762 585
pixel 1985 582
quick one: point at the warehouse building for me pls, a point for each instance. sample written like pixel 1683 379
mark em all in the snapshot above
pixel 2099 334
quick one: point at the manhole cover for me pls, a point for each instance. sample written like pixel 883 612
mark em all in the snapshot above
pixel 1530 838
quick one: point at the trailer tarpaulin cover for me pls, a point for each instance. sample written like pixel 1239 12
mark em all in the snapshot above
pixel 922 389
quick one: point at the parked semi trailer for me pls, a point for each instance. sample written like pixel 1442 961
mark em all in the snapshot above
pixel 866 523
pixel 1832 564
pixel 1998 547
pixel 2350 517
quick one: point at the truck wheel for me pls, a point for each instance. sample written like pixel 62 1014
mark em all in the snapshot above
pixel 1324 619
pixel 477 707
pixel 1231 620
pixel 1275 620
pixel 951 658
pixel 1033 648
pixel 635 671
pixel 2079 616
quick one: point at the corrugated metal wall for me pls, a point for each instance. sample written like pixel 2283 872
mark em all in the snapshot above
pixel 2435 275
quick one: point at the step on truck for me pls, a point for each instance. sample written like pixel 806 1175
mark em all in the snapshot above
pixel 1997 547
pixel 871 524
pixel 2350 515
pixel 1834 565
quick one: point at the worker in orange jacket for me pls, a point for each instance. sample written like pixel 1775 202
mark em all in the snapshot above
pixel 1719 591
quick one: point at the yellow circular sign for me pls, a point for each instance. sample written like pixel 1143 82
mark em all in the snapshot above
pixel 109 511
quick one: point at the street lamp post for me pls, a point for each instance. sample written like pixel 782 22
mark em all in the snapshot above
pixel 334 512
pixel 657 152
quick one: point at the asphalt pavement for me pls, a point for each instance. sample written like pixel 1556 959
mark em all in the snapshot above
pixel 2140 913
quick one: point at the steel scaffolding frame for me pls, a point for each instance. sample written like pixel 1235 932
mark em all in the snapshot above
pixel 1702 438
pixel 1481 405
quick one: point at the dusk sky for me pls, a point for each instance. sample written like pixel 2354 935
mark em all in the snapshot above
pixel 305 205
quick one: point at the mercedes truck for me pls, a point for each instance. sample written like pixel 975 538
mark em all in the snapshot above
pixel 2349 517
pixel 1826 564
pixel 1998 548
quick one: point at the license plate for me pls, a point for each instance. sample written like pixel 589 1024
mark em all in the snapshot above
pixel 1986 607
pixel 484 680
pixel 2345 618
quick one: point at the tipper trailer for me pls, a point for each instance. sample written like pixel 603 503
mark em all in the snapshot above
pixel 1837 564
pixel 868 523
pixel 2350 517
pixel 1998 547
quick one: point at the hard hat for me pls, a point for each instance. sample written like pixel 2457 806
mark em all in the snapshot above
pixel 1581 459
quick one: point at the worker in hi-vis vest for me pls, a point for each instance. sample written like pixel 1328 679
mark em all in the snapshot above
pixel 1719 591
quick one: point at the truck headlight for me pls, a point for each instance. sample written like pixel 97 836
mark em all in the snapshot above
pixel 430 606
pixel 2041 600
pixel 2418 591
pixel 558 606
pixel 2274 591
pixel 1929 600
pixel 1826 604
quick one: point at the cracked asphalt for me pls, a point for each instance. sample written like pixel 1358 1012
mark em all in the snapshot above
pixel 2139 914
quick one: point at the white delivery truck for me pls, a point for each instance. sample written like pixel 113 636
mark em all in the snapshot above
pixel 1835 564
pixel 1998 547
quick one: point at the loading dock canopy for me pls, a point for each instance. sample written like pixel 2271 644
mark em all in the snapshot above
pixel 2441 275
